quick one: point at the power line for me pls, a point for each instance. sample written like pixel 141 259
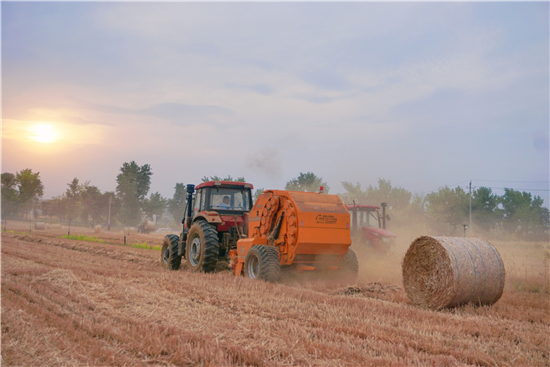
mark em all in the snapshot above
pixel 513 181
pixel 459 183
pixel 502 188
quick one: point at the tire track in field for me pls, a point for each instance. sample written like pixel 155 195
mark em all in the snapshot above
pixel 128 254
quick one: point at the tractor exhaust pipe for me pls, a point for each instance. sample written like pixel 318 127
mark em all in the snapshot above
pixel 190 191
pixel 384 205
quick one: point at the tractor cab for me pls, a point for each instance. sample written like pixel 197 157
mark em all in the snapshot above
pixel 370 226
pixel 215 218
pixel 224 197
pixel 223 204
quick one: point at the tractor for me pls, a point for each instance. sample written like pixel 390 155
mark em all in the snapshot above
pixel 370 226
pixel 214 220
pixel 299 231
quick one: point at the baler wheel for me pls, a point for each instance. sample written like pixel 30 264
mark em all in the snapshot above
pixel 349 266
pixel 262 262
pixel 202 248
pixel 169 254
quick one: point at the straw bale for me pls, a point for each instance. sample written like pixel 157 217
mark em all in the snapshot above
pixel 446 272
pixel 55 226
pixel 97 228
pixel 131 230
pixel 40 225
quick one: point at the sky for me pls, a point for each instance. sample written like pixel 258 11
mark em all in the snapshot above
pixel 424 95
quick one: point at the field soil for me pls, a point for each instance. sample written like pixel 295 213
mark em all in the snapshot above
pixel 78 303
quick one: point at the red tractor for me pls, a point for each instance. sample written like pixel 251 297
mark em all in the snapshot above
pixel 215 218
pixel 372 226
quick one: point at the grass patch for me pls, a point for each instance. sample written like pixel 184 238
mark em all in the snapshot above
pixel 16 232
pixel 531 286
pixel 83 238
pixel 144 245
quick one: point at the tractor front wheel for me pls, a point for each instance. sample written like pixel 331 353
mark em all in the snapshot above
pixel 262 262
pixel 169 254
pixel 202 249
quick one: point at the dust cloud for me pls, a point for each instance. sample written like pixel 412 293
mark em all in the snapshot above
pixel 266 161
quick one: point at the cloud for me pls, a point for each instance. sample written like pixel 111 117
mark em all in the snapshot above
pixel 263 89
pixel 177 113
pixel 326 78
pixel 541 142
pixel 312 98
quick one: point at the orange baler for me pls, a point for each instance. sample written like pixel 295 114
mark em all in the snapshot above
pixel 294 229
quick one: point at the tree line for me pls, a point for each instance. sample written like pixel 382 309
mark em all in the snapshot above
pixel 129 204
pixel 442 212
pixel 447 210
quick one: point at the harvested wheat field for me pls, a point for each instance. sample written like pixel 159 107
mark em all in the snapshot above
pixel 77 303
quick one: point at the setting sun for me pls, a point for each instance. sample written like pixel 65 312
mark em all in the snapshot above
pixel 44 133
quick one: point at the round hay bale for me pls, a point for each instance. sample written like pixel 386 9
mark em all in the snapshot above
pixel 131 230
pixel 40 226
pixel 446 272
pixel 97 228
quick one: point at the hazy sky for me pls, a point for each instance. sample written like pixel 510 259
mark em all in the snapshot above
pixel 422 94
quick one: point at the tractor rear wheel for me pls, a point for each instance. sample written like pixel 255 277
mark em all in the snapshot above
pixel 262 262
pixel 349 267
pixel 202 249
pixel 169 254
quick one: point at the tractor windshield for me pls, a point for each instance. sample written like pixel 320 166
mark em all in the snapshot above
pixel 368 218
pixel 230 199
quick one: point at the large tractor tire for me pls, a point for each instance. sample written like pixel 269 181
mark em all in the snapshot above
pixel 349 267
pixel 202 248
pixel 169 254
pixel 262 262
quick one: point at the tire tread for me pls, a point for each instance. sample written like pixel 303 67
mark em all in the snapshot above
pixel 174 260
pixel 211 247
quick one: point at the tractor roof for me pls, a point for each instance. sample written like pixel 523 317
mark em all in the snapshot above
pixel 363 207
pixel 224 183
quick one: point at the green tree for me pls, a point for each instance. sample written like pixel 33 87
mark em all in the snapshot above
pixel 417 208
pixel 218 178
pixel 485 211
pixel 53 207
pixel 448 207
pixel 72 200
pixel 133 184
pixel 30 188
pixel 397 198
pixel 155 205
pixel 94 203
pixel 522 213
pixel 257 194
pixel 307 182
pixel 353 194
pixel 9 194
pixel 176 205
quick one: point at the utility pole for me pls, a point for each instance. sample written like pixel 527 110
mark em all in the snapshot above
pixel 31 217
pixel 109 218
pixel 470 223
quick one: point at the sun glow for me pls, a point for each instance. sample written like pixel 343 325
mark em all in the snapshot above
pixel 44 133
